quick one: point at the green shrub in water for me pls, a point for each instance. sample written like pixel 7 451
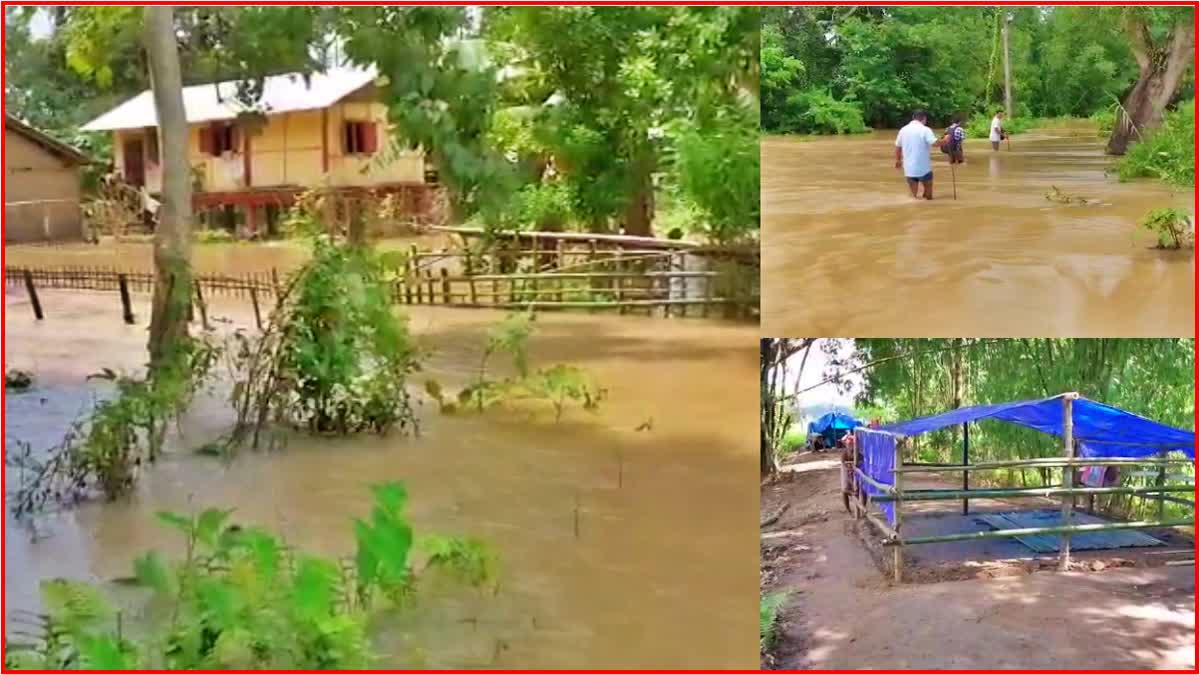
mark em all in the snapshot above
pixel 335 357
pixel 1167 153
pixel 1172 227
pixel 559 385
pixel 104 450
pixel 816 111
pixel 242 599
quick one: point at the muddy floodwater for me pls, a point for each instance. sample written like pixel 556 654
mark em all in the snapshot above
pixel 847 252
pixel 658 570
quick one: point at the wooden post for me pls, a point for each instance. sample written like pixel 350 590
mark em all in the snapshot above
pixel 429 284
pixel 409 266
pixel 898 550
pixel 1068 480
pixel 275 283
pixel 619 268
pixel 254 301
pixel 126 305
pixel 200 304
pixel 853 480
pixel 33 296
pixel 445 286
pixel 1160 481
pixel 966 462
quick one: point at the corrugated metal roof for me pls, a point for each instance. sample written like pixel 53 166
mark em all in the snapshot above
pixel 281 94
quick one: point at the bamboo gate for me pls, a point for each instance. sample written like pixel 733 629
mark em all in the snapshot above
pixel 896 496
pixel 539 271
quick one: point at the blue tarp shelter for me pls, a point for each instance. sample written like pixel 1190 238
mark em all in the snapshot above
pixel 1100 430
pixel 832 426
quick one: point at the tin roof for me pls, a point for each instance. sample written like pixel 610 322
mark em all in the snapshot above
pixel 281 94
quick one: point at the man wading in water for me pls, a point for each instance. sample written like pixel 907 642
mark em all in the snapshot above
pixel 954 137
pixel 912 154
pixel 997 134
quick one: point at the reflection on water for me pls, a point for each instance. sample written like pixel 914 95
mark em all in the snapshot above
pixel 662 573
pixel 847 252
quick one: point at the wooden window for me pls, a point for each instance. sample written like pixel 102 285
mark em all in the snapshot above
pixel 359 138
pixel 218 138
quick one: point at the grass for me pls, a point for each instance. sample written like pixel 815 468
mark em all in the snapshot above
pixel 769 606
pixel 1167 153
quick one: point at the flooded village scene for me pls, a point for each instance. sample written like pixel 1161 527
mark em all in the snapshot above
pixel 1072 205
pixel 381 337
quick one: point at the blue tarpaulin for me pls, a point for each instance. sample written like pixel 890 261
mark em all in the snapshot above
pixel 833 426
pixel 878 453
pixel 1101 430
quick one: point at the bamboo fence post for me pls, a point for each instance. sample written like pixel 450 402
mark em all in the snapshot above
pixel 591 266
pixel 966 461
pixel 200 304
pixel 1161 481
pixel 852 480
pixel 619 268
pixel 898 551
pixel 33 296
pixel 126 305
pixel 1068 480
pixel 445 286
pixel 429 284
pixel 257 312
pixel 495 269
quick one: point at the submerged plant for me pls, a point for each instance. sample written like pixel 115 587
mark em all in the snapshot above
pixel 559 385
pixel 240 598
pixel 335 358
pixel 1173 227
pixel 104 450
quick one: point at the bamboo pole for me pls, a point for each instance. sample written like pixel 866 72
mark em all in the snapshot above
pixel 980 493
pixel 257 312
pixel 1056 529
pixel 898 552
pixel 33 296
pixel 201 305
pixel 854 483
pixel 886 489
pixel 966 461
pixel 445 286
pixel 1042 462
pixel 126 304
pixel 1068 481
pixel 1161 481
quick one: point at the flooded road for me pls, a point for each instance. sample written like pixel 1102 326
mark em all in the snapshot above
pixel 661 574
pixel 847 252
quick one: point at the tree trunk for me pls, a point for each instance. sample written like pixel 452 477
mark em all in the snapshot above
pixel 767 464
pixel 639 209
pixel 1160 68
pixel 173 235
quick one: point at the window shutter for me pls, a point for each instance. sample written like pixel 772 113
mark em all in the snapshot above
pixel 206 140
pixel 370 140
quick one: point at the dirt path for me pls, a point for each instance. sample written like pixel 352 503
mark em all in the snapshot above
pixel 842 614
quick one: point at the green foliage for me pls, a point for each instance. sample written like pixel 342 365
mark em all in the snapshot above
pixel 544 207
pixel 1173 227
pixel 1167 153
pixel 889 61
pixel 716 168
pixel 104 450
pixel 980 126
pixel 335 358
pixel 559 385
pixel 769 606
pixel 242 599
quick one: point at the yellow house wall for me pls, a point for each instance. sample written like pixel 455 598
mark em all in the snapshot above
pixel 287 151
pixel 41 193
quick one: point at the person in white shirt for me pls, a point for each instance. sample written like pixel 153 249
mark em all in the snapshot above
pixel 912 154
pixel 997 134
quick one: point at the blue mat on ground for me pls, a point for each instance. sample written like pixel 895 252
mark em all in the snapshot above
pixel 1048 543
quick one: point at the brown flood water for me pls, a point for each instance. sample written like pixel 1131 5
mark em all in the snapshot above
pixel 847 252
pixel 661 574
pixel 214 258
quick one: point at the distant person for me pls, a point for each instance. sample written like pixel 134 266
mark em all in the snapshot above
pixel 912 154
pixel 955 135
pixel 997 134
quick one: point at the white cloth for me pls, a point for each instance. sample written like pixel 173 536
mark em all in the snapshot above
pixel 914 142
pixel 995 136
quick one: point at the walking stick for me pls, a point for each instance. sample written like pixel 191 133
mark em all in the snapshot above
pixel 953 179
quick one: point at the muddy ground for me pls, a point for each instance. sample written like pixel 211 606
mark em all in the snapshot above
pixel 842 613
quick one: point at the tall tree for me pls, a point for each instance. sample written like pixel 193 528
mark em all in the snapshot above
pixel 1162 40
pixel 173 235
